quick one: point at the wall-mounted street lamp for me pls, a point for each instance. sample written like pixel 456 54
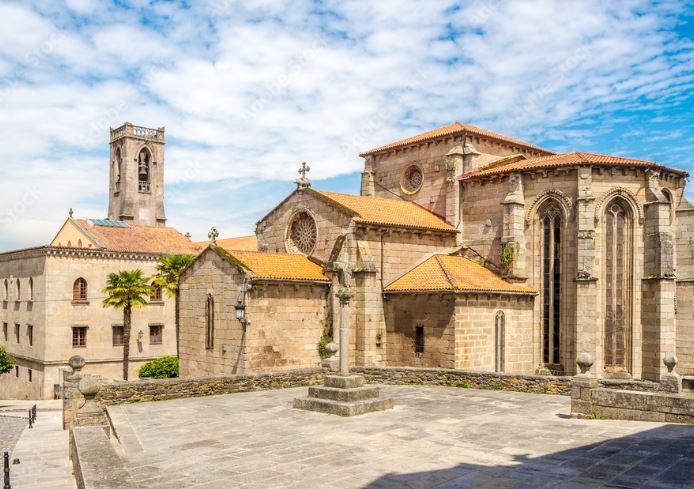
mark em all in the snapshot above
pixel 240 308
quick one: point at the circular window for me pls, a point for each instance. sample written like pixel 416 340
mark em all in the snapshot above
pixel 302 233
pixel 412 179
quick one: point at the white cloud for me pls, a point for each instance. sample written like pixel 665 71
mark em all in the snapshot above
pixel 247 90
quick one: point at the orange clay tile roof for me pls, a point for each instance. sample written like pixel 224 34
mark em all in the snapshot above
pixel 566 159
pixel 387 212
pixel 453 273
pixel 247 243
pixel 275 266
pixel 451 130
pixel 142 239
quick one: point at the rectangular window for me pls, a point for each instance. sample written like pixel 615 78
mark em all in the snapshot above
pixel 155 331
pixel 16 332
pixel 30 334
pixel 4 331
pixel 16 370
pixel 419 340
pixel 79 336
pixel 118 336
pixel 29 374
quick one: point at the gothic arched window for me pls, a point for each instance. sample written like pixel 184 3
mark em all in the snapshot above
pixel 618 271
pixel 551 283
pixel 209 323
pixel 79 290
pixel 117 165
pixel 500 343
pixel 144 168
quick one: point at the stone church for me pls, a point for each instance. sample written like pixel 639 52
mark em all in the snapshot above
pixel 465 249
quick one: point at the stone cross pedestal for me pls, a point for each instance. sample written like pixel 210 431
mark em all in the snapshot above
pixel 344 394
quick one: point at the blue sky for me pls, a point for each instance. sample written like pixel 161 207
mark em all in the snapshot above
pixel 249 89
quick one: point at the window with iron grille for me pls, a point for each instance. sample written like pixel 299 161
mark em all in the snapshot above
pixel 79 336
pixel 155 331
pixel 419 340
pixel 118 339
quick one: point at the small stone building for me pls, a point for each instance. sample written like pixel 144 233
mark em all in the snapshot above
pixel 286 312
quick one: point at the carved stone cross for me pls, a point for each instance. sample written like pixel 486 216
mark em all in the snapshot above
pixel 302 181
pixel 213 235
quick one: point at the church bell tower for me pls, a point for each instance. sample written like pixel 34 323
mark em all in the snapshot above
pixel 136 181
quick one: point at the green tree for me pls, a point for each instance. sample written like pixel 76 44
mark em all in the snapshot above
pixel 6 361
pixel 127 289
pixel 169 271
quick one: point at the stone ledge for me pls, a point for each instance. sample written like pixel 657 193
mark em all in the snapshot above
pixel 95 462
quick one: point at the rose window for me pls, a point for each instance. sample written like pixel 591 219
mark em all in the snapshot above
pixel 412 179
pixel 302 233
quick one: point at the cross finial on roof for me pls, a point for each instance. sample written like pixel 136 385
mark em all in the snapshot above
pixel 302 181
pixel 70 212
pixel 213 235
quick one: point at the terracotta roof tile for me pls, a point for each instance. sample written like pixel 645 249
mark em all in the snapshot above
pixel 454 129
pixel 143 239
pixel 388 212
pixel 555 161
pixel 276 266
pixel 453 273
pixel 247 243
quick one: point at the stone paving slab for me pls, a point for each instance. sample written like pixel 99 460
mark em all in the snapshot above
pixel 435 437
pixel 43 452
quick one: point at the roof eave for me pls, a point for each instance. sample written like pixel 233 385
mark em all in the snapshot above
pixel 460 291
pixel 403 226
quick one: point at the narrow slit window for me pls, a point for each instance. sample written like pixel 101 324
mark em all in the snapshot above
pixel 419 340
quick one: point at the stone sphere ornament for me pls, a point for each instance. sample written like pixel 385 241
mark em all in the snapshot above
pixel 89 386
pixel 670 362
pixel 584 361
pixel 76 363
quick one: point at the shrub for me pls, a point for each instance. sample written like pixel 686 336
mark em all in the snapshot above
pixel 159 368
pixel 6 361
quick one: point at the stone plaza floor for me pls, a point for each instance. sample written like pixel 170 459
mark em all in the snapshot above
pixel 435 437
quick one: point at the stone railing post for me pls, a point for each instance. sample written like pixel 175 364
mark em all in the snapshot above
pixel 71 394
pixel 581 387
pixel 91 413
pixel 671 381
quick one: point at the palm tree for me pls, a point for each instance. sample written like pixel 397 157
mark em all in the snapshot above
pixel 169 271
pixel 127 289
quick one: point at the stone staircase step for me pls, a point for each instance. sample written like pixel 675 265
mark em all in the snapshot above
pixel 344 395
pixel 343 408
pixel 343 381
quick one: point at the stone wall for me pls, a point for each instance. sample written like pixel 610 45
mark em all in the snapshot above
pixel 436 314
pixel 475 332
pixel 163 389
pixel 537 384
pixel 642 406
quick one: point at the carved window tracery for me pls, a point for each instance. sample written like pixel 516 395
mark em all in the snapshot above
pixel 302 233
pixel 551 221
pixel 412 179
pixel 617 287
